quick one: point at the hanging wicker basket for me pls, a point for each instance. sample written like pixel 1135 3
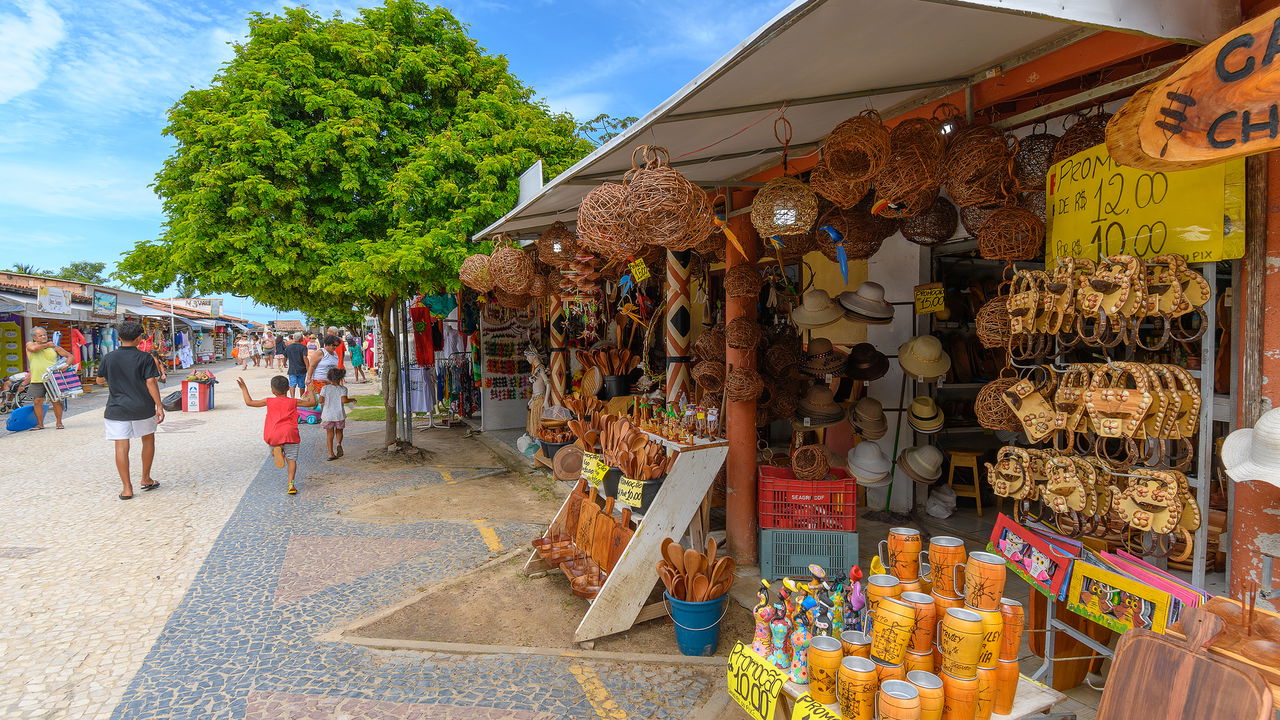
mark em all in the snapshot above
pixel 1031 162
pixel 662 206
pixel 784 206
pixel 973 216
pixel 474 273
pixel 933 226
pixel 793 250
pixel 780 360
pixel 713 248
pixel 538 287
pixel 743 384
pixel 511 267
pixel 840 192
pixel 710 345
pixel 1034 203
pixel 557 245
pixel 742 281
pixel 742 334
pixel 809 462
pixel 909 182
pixel 862 232
pixel 992 411
pixel 785 400
pixel 976 170
pixel 709 375
pixel 856 149
pixel 1011 233
pixel 992 322
pixel 601 226
pixel 1090 130
pixel 511 301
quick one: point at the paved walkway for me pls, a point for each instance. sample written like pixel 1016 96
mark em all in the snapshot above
pixel 209 597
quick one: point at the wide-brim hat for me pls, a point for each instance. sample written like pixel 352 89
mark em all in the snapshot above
pixel 923 357
pixel 924 415
pixel 867 302
pixel 866 363
pixel 822 358
pixel 816 310
pixel 1254 453
pixel 567 464
pixel 868 464
pixel 922 463
pixel 819 407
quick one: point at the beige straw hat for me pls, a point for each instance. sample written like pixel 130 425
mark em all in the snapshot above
pixel 816 310
pixel 923 357
pixel 868 464
pixel 1254 453
pixel 924 415
pixel 922 463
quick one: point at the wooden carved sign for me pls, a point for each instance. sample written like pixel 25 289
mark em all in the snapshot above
pixel 1219 103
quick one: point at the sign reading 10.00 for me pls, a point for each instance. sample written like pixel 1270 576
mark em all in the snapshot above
pixel 1097 207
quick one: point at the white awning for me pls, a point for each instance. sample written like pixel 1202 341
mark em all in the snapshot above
pixel 141 311
pixel 26 304
pixel 197 323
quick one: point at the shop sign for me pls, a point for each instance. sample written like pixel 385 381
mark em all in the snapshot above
pixel 52 300
pixel 754 682
pixel 930 298
pixel 1219 103
pixel 809 709
pixel 639 271
pixel 630 492
pixel 593 469
pixel 10 348
pixel 104 303
pixel 1097 207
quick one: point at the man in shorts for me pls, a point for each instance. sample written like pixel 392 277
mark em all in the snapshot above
pixel 295 354
pixel 133 404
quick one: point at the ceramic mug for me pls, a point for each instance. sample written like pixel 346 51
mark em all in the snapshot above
pixel 1006 685
pixel 902 556
pixel 856 688
pixel 856 643
pixel 960 697
pixel 992 631
pixel 892 623
pixel 945 552
pixel 926 626
pixel 879 586
pixel 929 687
pixel 983 580
pixel 960 639
pixel 898 700
pixel 986 694
pixel 889 671
pixel 1015 622
pixel 918 661
pixel 825 654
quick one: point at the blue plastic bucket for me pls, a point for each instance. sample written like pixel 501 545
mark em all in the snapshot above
pixel 697 624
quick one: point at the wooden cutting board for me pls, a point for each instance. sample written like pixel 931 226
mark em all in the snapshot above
pixel 575 506
pixel 1156 677
pixel 602 537
pixel 621 536
pixel 586 523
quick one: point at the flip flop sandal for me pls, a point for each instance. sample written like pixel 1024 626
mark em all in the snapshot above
pixel 152 486
pixel 339 451
pixel 292 490
pixel 331 457
pixel 125 497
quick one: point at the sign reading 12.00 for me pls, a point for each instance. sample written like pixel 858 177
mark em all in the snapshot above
pixel 1097 207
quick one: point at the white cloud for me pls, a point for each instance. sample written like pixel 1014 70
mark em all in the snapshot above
pixel 583 106
pixel 27 42
pixel 93 189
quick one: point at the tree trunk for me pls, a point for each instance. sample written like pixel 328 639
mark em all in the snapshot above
pixel 390 369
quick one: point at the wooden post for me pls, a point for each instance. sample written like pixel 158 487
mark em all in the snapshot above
pixel 559 353
pixel 740 417
pixel 678 327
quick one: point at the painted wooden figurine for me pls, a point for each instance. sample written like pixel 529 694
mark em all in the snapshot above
pixel 780 628
pixel 762 644
pixel 800 638
pixel 855 616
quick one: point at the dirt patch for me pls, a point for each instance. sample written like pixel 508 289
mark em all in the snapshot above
pixel 505 497
pixel 529 613
pixel 447 447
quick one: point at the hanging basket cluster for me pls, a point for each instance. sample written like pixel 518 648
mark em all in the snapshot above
pixel 991 409
pixel 474 273
pixel 557 245
pixel 1011 233
pixel 809 462
pixel 661 206
pixel 1090 130
pixel 992 323
pixel 933 226
pixel 910 179
pixel 742 281
pixel 857 149
pixel 511 267
pixel 976 169
pixel 710 345
pixel 861 233
pixel 743 384
pixel 784 206
pixel 742 334
pixel 709 375
pixel 841 192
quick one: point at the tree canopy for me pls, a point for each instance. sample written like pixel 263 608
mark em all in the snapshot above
pixel 80 271
pixel 337 162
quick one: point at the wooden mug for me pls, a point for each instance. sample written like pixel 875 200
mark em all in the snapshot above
pixel 960 639
pixel 1015 622
pixel 929 687
pixel 881 586
pixel 983 584
pixel 960 697
pixel 825 654
pixel 891 627
pixel 943 602
pixel 889 671
pixel 945 552
pixel 992 632
pixel 986 693
pixel 902 557
pixel 856 688
pixel 926 626
pixel 898 700
pixel 1006 685
pixel 856 643
pixel 918 661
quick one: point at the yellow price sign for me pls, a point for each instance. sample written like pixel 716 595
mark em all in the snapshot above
pixel 930 298
pixel 594 469
pixel 809 709
pixel 1096 207
pixel 754 682
pixel 630 492
pixel 639 271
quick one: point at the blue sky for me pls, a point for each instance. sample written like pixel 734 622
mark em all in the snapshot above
pixel 84 86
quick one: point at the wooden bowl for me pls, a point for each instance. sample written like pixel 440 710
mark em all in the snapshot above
pixel 1263 652
pixel 586 586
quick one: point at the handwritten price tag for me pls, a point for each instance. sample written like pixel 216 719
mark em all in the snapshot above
pixel 809 709
pixel 639 271
pixel 593 469
pixel 929 298
pixel 630 492
pixel 754 682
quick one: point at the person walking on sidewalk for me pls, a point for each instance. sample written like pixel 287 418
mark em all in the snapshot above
pixel 319 364
pixel 333 415
pixel 294 363
pixel 133 404
pixel 42 355
pixel 280 430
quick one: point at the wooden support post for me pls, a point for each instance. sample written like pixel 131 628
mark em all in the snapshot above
pixel 678 327
pixel 740 417
pixel 559 353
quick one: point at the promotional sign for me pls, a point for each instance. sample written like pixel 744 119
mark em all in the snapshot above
pixel 104 303
pixel 1097 207
pixel 930 298
pixel 639 271
pixel 11 352
pixel 630 492
pixel 594 469
pixel 55 301
pixel 1219 103
pixel 809 709
pixel 754 682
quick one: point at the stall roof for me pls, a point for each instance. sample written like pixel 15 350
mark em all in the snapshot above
pixel 198 323
pixel 829 59
pixel 80 312
pixel 141 311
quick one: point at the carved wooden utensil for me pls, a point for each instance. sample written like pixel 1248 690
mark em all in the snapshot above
pixel 621 536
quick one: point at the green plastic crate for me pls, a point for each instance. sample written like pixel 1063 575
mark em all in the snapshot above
pixel 788 553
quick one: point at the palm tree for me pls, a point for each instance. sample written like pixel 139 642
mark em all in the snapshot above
pixel 25 269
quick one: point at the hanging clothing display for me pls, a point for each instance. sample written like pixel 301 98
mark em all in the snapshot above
pixel 422 389
pixel 423 351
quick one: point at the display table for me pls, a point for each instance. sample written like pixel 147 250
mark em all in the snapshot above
pixel 1032 698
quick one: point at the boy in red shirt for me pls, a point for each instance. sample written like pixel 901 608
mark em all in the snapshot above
pixel 281 428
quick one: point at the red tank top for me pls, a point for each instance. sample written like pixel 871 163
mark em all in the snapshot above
pixel 282 421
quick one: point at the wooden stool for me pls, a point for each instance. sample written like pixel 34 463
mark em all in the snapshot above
pixel 966 459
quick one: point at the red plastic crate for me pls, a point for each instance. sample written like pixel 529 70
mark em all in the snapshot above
pixel 786 503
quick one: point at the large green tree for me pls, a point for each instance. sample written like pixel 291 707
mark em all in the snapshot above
pixel 335 163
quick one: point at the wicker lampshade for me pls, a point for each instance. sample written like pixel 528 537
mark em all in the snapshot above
pixel 856 149
pixel 784 206
pixel 557 245
pixel 1011 233
pixel 1087 132
pixel 933 226
pixel 975 170
pixel 662 206
pixel 474 273
pixel 511 269
pixel 841 192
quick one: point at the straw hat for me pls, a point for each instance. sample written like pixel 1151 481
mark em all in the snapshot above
pixel 816 310
pixel 866 363
pixel 924 415
pixel 822 359
pixel 867 304
pixel 869 465
pixel 923 357
pixel 867 418
pixel 1254 453
pixel 819 407
pixel 922 463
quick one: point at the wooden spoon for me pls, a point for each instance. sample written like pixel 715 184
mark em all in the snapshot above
pixel 692 562
pixel 675 556
pixel 701 586
pixel 711 552
pixel 678 588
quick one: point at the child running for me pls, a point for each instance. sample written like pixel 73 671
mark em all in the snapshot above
pixel 281 427
pixel 333 415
